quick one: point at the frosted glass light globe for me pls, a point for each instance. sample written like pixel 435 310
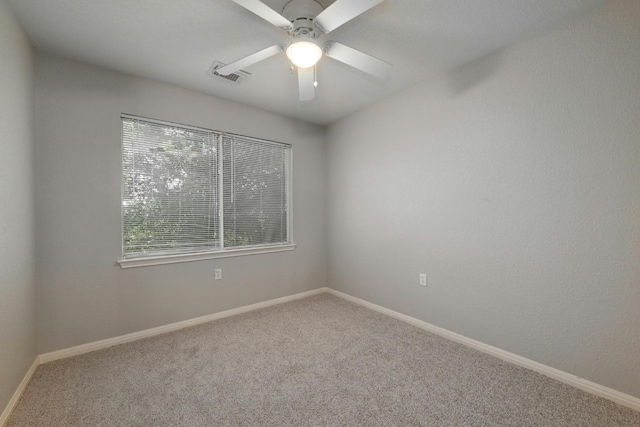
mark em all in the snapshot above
pixel 304 54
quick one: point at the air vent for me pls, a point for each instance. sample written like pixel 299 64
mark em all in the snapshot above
pixel 235 78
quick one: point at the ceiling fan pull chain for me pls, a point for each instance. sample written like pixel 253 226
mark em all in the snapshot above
pixel 315 75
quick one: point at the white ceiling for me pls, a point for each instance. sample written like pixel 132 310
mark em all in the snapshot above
pixel 176 41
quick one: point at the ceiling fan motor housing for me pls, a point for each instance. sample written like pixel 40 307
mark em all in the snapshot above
pixel 301 13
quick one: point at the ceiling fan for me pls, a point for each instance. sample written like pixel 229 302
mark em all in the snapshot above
pixel 305 21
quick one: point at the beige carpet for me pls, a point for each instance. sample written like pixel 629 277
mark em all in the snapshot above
pixel 318 361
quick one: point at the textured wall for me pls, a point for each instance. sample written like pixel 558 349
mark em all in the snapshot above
pixel 514 184
pixel 84 295
pixel 17 224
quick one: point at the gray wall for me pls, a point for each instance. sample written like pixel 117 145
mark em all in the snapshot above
pixel 84 295
pixel 18 299
pixel 514 183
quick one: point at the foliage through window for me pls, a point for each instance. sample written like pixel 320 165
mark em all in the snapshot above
pixel 184 188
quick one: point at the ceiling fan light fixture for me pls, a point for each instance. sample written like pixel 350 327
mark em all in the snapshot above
pixel 304 54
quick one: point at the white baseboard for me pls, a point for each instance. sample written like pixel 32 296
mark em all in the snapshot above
pixel 564 377
pixel 16 396
pixel 122 339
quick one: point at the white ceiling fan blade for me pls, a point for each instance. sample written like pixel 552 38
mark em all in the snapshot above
pixel 342 11
pixel 306 87
pixel 249 60
pixel 266 13
pixel 357 59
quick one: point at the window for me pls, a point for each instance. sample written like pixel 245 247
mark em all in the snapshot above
pixel 187 190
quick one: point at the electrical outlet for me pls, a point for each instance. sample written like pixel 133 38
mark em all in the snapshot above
pixel 423 279
pixel 218 274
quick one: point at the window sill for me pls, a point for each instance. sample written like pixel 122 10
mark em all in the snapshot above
pixel 172 259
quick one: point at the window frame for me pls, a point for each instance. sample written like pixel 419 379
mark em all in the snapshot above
pixel 222 252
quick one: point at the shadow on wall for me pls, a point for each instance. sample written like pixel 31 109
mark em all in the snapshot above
pixel 468 76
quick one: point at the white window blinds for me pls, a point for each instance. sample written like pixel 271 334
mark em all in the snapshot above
pixel 184 188
pixel 255 192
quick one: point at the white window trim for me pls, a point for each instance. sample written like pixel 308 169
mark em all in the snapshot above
pixel 147 261
pixel 199 256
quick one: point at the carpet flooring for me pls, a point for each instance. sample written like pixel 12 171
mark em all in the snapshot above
pixel 320 361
